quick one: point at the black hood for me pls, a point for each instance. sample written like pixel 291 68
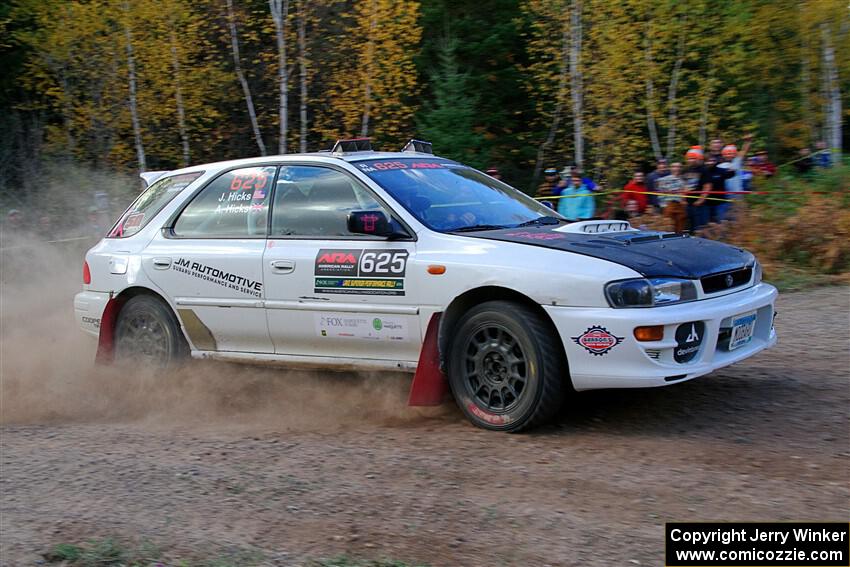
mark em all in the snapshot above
pixel 651 254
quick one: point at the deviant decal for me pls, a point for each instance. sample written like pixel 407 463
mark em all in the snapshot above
pixel 597 340
pixel 217 276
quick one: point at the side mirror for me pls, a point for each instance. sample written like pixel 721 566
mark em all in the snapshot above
pixel 373 223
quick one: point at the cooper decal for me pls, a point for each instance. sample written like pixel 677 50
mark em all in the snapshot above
pixel 220 277
pixel 366 272
pixel 93 321
pixel 597 340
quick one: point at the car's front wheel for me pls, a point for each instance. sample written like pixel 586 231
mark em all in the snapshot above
pixel 506 367
pixel 147 332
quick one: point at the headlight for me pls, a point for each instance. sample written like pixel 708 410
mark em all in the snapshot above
pixel 757 273
pixel 650 292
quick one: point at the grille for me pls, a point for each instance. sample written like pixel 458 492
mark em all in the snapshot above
pixel 653 353
pixel 726 280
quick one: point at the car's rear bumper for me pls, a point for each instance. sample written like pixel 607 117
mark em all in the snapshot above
pixel 88 310
pixel 633 364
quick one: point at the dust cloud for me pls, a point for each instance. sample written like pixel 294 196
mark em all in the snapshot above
pixel 48 375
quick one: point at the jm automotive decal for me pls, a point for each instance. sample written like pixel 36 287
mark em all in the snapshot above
pixel 597 340
pixel 363 272
pixel 220 277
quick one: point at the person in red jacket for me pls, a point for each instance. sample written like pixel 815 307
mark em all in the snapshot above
pixel 633 200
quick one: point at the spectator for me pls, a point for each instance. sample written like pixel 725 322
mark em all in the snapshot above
pixel 577 202
pixel 747 174
pixel 733 161
pixel 672 206
pixel 823 157
pixel 633 200
pixel 661 170
pixel 494 173
pixel 713 185
pixel 694 189
pixel 804 163
pixel 549 183
pixel 566 175
pixel 764 167
pixel 715 149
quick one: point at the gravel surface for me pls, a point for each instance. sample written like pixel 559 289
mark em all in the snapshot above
pixel 298 467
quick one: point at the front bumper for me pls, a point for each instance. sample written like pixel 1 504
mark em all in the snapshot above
pixel 633 364
pixel 88 310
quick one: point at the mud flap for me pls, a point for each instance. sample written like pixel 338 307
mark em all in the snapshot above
pixel 106 339
pixel 429 385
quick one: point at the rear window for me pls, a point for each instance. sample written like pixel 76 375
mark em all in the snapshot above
pixel 149 203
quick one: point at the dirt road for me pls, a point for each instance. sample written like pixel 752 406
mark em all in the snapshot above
pixel 281 469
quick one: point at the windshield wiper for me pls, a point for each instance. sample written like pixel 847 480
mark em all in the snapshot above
pixel 476 227
pixel 544 220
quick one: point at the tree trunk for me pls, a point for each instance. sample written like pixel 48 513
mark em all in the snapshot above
pixel 280 15
pixel 131 77
pixel 370 66
pixel 832 111
pixel 650 97
pixel 559 106
pixel 576 81
pixel 178 96
pixel 302 62
pixel 234 49
pixel 671 93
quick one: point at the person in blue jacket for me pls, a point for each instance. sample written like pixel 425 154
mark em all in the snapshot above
pixel 577 202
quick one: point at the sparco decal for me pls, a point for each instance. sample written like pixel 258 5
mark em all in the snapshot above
pixel 217 276
pixel 597 340
pixel 369 272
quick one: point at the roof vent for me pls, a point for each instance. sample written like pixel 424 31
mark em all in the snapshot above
pixel 418 146
pixel 352 145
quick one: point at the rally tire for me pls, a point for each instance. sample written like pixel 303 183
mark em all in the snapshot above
pixel 148 333
pixel 506 367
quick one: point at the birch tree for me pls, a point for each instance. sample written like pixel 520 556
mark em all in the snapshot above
pixel 576 81
pixel 131 85
pixel 240 74
pixel 672 90
pixel 650 94
pixel 178 95
pixel 280 15
pixel 302 73
pixel 832 110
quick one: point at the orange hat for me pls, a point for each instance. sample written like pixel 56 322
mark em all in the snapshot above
pixel 729 151
pixel 695 152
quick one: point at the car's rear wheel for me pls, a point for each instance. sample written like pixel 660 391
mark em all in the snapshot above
pixel 147 332
pixel 506 367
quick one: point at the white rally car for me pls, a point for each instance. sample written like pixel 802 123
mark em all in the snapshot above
pixel 354 259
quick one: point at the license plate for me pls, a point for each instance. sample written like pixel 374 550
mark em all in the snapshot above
pixel 743 327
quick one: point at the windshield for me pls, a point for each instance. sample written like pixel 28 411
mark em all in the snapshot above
pixel 449 197
pixel 149 203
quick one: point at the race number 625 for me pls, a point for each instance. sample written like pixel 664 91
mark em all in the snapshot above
pixel 376 262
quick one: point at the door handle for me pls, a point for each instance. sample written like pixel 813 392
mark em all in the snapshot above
pixel 283 266
pixel 161 263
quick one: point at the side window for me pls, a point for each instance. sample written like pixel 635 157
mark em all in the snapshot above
pixel 315 202
pixel 235 205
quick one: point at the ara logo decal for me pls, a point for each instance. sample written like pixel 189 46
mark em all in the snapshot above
pixel 597 340
pixel 337 262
